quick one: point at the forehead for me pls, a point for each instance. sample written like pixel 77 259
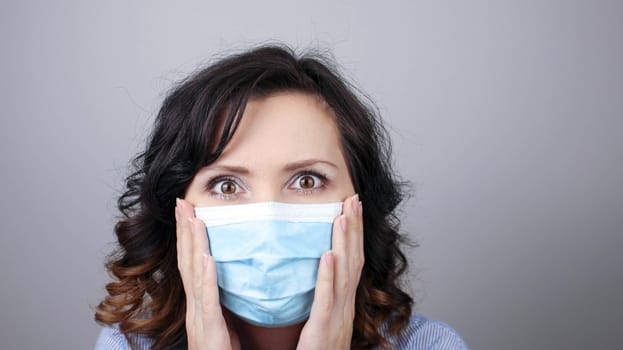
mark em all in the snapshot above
pixel 284 127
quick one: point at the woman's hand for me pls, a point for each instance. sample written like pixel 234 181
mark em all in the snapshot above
pixel 330 324
pixel 206 327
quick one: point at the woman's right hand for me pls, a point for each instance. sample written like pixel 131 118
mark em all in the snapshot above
pixel 206 327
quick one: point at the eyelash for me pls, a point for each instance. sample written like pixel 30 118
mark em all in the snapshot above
pixel 215 180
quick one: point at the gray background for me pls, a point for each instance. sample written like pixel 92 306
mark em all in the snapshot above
pixel 506 116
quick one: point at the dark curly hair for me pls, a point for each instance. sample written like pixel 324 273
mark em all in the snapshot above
pixel 146 296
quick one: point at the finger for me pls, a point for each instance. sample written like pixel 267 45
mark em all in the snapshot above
pixel 340 228
pixel 341 246
pixel 354 245
pixel 209 291
pixel 350 268
pixel 184 245
pixel 213 320
pixel 355 234
pixel 200 248
pixel 178 235
pixel 323 304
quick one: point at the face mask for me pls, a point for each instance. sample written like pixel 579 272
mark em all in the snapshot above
pixel 267 256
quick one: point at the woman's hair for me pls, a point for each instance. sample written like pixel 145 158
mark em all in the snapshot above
pixel 147 296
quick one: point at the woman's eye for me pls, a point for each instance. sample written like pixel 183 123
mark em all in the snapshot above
pixel 228 187
pixel 306 182
pixel 224 188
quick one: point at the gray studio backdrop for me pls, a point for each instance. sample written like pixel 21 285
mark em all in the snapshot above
pixel 507 116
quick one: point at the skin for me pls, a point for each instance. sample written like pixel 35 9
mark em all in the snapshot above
pixel 286 149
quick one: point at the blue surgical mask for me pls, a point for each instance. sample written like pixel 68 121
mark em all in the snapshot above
pixel 267 256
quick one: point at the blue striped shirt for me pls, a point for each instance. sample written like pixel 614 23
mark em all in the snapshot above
pixel 421 333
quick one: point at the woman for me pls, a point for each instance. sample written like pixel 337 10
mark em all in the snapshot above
pixel 263 134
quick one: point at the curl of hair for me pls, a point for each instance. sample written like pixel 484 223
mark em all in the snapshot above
pixel 146 296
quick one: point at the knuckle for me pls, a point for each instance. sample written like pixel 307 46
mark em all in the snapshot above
pixel 356 263
pixel 325 305
pixel 206 305
pixel 360 263
pixel 197 283
pixel 343 285
pixel 325 313
pixel 212 284
pixel 183 266
pixel 324 278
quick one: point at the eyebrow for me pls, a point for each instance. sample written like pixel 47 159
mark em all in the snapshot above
pixel 305 163
pixel 287 168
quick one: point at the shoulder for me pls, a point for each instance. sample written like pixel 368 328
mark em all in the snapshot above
pixel 111 338
pixel 423 333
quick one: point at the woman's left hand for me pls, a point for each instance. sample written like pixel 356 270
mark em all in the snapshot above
pixel 330 324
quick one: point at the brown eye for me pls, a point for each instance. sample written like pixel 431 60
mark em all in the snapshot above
pixel 306 182
pixel 228 187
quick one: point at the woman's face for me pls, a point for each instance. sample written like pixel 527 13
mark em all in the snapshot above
pixel 286 149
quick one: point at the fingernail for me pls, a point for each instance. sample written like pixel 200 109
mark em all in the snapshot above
pixel 177 201
pixel 328 258
pixel 177 214
pixel 206 257
pixel 354 201
pixel 359 208
pixel 343 222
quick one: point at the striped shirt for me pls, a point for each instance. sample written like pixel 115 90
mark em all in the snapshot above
pixel 421 334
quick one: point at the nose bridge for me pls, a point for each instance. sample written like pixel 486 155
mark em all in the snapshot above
pixel 267 188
